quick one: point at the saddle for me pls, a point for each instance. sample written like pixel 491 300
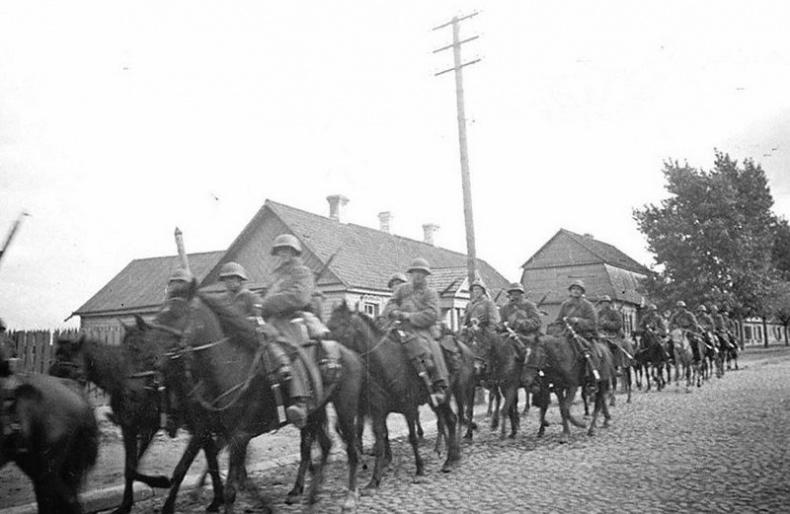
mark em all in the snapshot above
pixel 451 352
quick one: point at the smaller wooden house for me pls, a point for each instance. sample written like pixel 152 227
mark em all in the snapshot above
pixel 604 269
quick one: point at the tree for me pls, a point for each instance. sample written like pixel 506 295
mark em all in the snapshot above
pixel 713 238
pixel 781 250
pixel 782 306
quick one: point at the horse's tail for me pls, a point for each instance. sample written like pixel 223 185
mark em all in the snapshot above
pixel 85 450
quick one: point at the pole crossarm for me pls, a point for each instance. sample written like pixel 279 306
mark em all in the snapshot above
pixel 456 20
pixel 453 45
pixel 456 68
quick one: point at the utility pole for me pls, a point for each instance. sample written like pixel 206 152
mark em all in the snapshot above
pixel 471 253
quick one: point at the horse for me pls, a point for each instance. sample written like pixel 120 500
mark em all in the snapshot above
pixel 732 350
pixel 391 385
pixel 57 439
pixel 623 355
pixel 119 370
pixel 563 364
pixel 212 355
pixel 462 384
pixel 651 356
pixel 684 358
pixel 502 364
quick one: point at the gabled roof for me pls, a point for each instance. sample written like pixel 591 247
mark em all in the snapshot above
pixel 367 257
pixel 142 283
pixel 588 250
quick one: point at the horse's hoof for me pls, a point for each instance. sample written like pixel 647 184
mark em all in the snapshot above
pixel 590 433
pixel 563 439
pixel 350 503
pixel 473 425
pixel 214 506
pixel 606 424
pixel 419 479
pixel 369 490
pixel 468 436
pixel 512 435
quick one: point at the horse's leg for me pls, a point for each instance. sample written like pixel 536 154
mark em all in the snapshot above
pixel 562 400
pixel 129 436
pixel 490 411
pixel 543 424
pixel 197 441
pixel 606 416
pixel 497 398
pixel 345 425
pixel 570 395
pixel 470 413
pixel 411 422
pixel 380 434
pixel 628 384
pixel 441 436
pixel 453 448
pixel 326 447
pixel 599 397
pixel 526 405
pixel 211 451
pixel 145 438
pixel 613 390
pixel 510 393
pixel 237 473
pixel 584 399
pixel 420 431
pixel 306 435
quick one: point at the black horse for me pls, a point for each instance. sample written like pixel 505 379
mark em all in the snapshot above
pixel 57 438
pixel 213 358
pixel 119 371
pixel 391 385
pixel 651 359
pixel 562 365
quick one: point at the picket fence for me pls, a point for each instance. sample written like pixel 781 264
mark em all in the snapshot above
pixel 35 351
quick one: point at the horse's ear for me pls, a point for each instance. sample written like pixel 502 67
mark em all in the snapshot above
pixel 140 322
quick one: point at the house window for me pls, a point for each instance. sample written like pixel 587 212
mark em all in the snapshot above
pixel 747 332
pixel 371 309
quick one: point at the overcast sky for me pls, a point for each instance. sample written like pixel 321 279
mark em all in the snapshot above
pixel 121 120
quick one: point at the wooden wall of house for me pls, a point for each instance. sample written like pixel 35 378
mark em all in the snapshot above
pixel 88 323
pixel 555 281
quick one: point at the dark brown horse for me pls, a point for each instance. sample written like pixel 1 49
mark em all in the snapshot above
pixel 391 385
pixel 214 361
pixel 133 399
pixel 461 367
pixel 503 363
pixel 563 365
pixel 57 440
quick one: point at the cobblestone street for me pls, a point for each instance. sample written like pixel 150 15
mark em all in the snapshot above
pixel 721 448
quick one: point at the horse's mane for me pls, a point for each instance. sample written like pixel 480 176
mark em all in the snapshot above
pixel 232 322
pixel 370 322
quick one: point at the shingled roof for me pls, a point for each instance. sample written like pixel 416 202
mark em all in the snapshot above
pixel 142 283
pixel 366 259
pixel 588 250
pixel 369 257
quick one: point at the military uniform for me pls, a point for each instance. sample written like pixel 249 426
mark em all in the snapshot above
pixel 610 321
pixel 522 316
pixel 684 319
pixel 581 315
pixel 246 302
pixel 705 321
pixel 418 309
pixel 484 311
pixel 654 322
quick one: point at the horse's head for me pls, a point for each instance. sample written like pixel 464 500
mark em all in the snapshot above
pixel 69 358
pixel 353 329
pixel 535 362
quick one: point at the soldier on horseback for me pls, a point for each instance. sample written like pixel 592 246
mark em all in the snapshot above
pixel 578 322
pixel 481 312
pixel 521 315
pixel 685 320
pixel 233 276
pixel 610 322
pixel 416 306
pixel 653 322
pixel 179 284
pixel 290 292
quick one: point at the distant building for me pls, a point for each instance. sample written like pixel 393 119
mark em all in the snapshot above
pixel 604 269
pixel 364 260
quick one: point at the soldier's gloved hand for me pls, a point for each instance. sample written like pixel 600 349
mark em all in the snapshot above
pixel 395 315
pixel 285 373
pixel 405 316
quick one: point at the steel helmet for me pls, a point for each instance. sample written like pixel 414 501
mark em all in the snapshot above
pixel 232 269
pixel 702 308
pixel 606 298
pixel 680 303
pixel 419 264
pixel 181 275
pixel 397 276
pixel 286 241
pixel 713 308
pixel 578 283
pixel 515 286
pixel 652 307
pixel 479 283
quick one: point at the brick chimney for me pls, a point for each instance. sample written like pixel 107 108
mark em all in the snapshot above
pixel 428 231
pixel 385 222
pixel 336 204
